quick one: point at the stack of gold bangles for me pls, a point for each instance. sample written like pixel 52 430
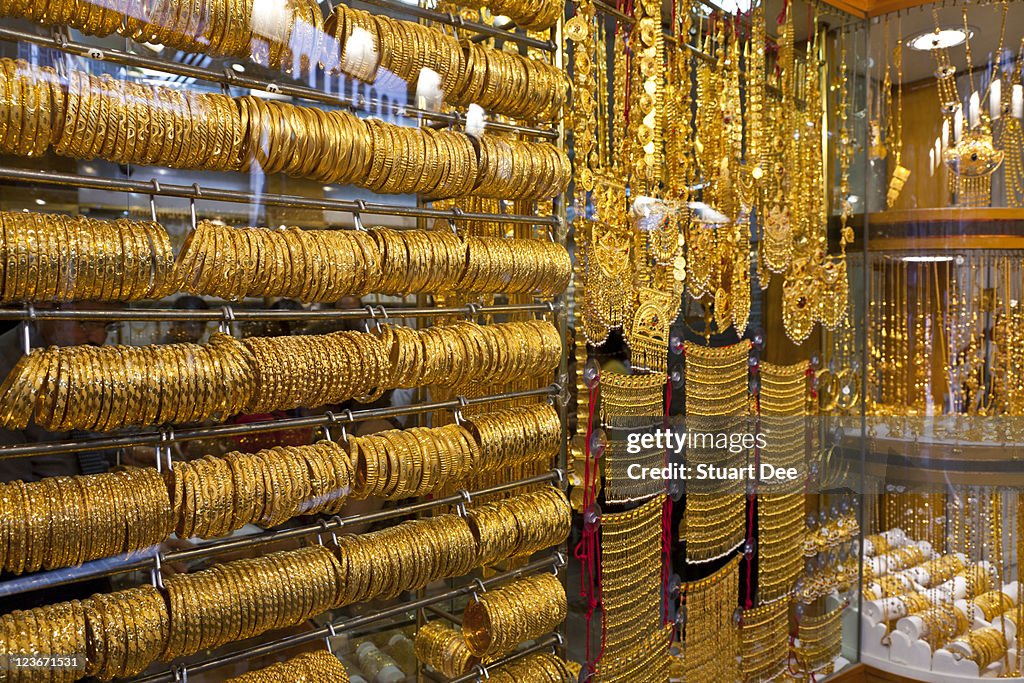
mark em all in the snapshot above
pixel 325 265
pixel 310 667
pixel 245 598
pixel 65 521
pixel 514 436
pixel 993 603
pixel 519 526
pixel 297 38
pixel 214 496
pixel 442 647
pixel 534 15
pixel 139 124
pixel 538 668
pixel 498 81
pixel 498 621
pixel 410 463
pixel 121 634
pixel 51 257
pixel 982 646
pixel 105 388
pixel 109 387
pixel 211 27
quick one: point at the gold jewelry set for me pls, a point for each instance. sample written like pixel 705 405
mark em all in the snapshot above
pixel 973 158
pixel 99 117
pixel 635 641
pixel 105 388
pixel 710 633
pixel 631 403
pixel 497 621
pixel 310 667
pixel 714 521
pixel 764 641
pixel 782 402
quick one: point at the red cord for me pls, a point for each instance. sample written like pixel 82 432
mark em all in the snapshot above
pixel 781 19
pixel 588 549
pixel 666 519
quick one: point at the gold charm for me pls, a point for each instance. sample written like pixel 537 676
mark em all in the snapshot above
pixel 648 337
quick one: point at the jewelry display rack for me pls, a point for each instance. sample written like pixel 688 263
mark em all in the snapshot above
pixel 228 314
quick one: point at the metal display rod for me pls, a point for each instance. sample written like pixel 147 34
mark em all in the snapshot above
pixel 229 77
pixel 228 313
pixel 180 672
pixel 459 23
pixel 169 436
pixel 196 192
pixel 152 559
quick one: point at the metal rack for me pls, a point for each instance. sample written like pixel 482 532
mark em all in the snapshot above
pixel 229 313
pixel 194 192
pixel 152 559
pixel 167 437
pixel 180 672
pixel 230 78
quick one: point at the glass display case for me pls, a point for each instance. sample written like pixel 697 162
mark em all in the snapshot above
pixel 941 271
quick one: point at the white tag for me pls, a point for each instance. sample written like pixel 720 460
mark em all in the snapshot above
pixel 359 56
pixel 271 19
pixel 475 122
pixel 428 90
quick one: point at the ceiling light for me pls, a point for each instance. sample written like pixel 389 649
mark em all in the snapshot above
pixel 240 68
pixel 927 259
pixel 938 40
pixel 41 202
pixel 730 6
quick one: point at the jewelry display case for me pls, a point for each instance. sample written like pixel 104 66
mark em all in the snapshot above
pixel 941 267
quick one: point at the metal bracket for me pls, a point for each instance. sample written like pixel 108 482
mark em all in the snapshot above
pixel 192 205
pixel 467 499
pixel 372 313
pixel 456 215
pixel 156 572
pixel 357 218
pixel 152 199
pixel 228 319
pixel 180 673
pixel 482 673
pixel 26 328
pixel 164 447
pixel 457 412
pixel 332 633
pixel 480 588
